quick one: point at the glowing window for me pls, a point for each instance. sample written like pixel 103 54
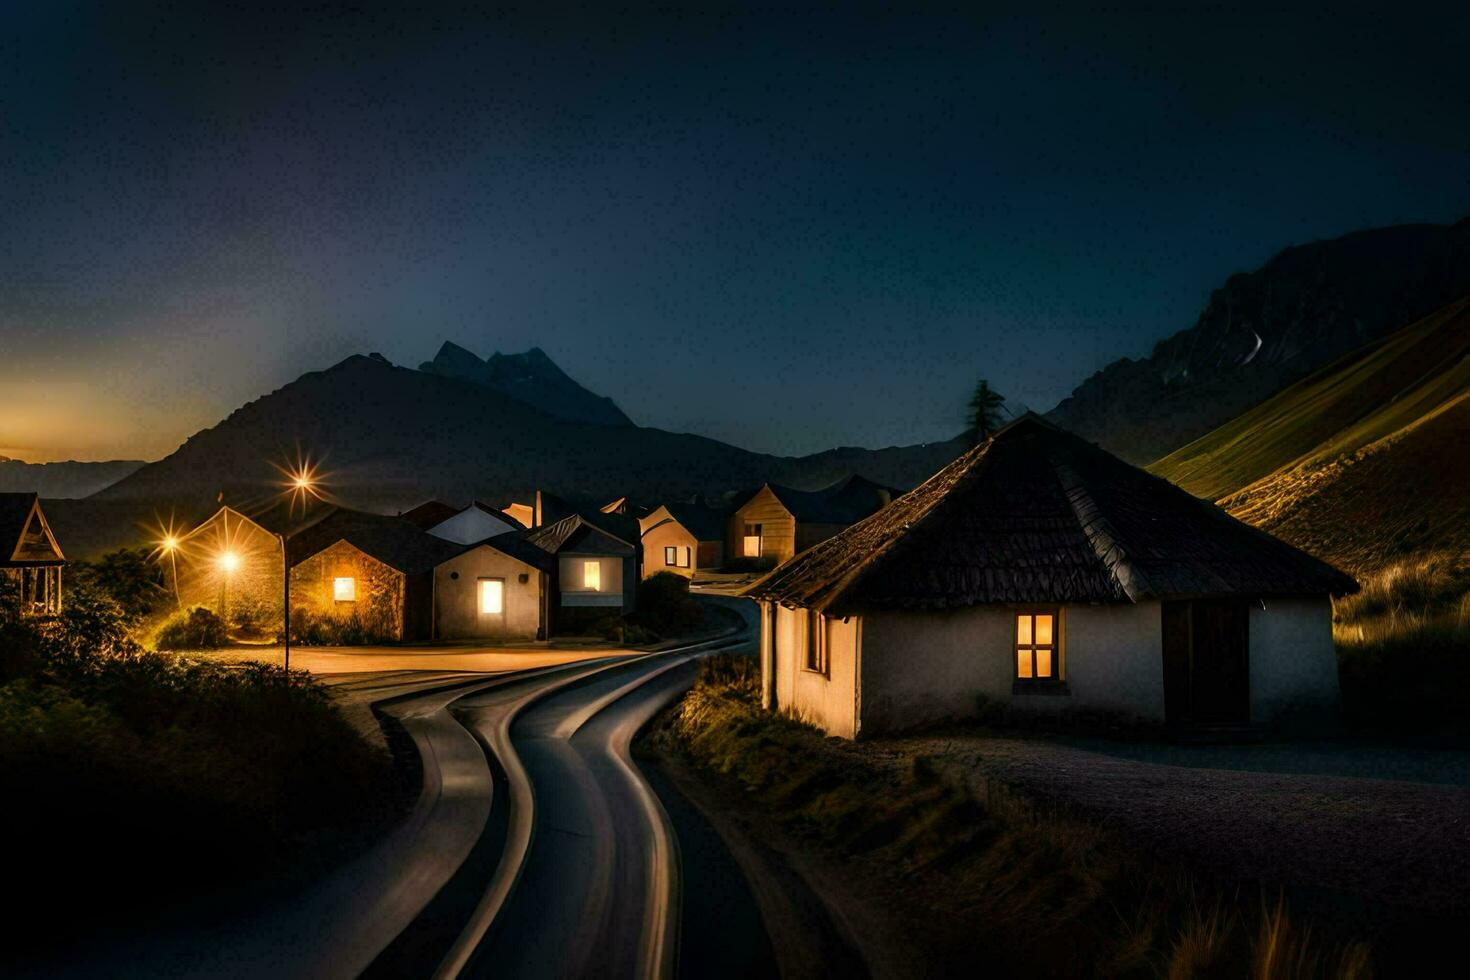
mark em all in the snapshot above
pixel 492 596
pixel 751 544
pixel 1036 645
pixel 344 589
pixel 671 556
pixel 592 575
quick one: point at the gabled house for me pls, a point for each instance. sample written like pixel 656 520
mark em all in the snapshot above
pixel 30 559
pixel 1041 573
pixel 231 563
pixel 474 523
pixel 774 523
pixel 494 590
pixel 682 538
pixel 372 570
pixel 595 572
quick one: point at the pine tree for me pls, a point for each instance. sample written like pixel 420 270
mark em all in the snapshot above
pixel 985 411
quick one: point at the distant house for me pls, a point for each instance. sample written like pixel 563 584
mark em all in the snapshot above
pixel 474 523
pixel 30 559
pixel 683 538
pixel 494 590
pixel 1041 573
pixel 369 570
pixel 595 572
pixel 774 523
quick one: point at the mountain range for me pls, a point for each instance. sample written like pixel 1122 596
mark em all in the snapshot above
pixel 65 479
pixel 1265 329
pixel 531 378
pixel 1364 462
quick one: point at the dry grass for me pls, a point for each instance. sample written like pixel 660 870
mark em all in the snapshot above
pixel 1025 889
pixel 1403 645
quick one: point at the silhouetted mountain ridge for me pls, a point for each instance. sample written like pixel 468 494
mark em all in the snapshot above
pixel 532 378
pixel 1265 329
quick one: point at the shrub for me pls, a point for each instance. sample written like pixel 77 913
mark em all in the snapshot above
pixel 128 576
pixel 311 629
pixel 666 607
pixel 157 779
pixel 197 629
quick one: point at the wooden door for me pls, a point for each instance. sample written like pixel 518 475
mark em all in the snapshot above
pixel 1206 648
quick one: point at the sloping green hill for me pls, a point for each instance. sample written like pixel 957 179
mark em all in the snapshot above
pixel 1364 462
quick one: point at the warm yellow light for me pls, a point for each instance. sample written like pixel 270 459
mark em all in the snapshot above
pixel 229 561
pixel 170 543
pixel 592 576
pixel 344 589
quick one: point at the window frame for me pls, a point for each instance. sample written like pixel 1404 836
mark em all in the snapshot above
pixel 671 556
pixel 688 557
pixel 815 655
pixel 753 532
pixel 480 584
pixel 1056 679
pixel 336 588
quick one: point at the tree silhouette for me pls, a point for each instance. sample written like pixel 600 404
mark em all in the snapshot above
pixel 985 411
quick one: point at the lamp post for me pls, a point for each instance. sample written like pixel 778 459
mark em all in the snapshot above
pixel 301 485
pixel 170 545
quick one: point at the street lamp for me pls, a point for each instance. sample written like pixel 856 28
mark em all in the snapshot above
pixel 170 546
pixel 301 487
pixel 229 563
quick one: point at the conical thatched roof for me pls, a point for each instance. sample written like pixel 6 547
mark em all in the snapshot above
pixel 1036 514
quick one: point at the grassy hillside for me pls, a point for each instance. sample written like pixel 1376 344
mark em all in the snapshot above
pixel 1363 462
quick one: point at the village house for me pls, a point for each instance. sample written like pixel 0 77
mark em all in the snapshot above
pixel 682 538
pixel 231 563
pixel 595 572
pixel 1040 573
pixel 374 572
pixel 30 559
pixel 494 590
pixel 772 524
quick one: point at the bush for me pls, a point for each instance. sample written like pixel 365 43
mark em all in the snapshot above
pixel 128 576
pixel 157 779
pixel 197 629
pixel 666 607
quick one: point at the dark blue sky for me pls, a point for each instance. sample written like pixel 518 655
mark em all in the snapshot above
pixel 787 232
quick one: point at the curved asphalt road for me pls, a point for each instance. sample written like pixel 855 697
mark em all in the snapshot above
pixel 535 849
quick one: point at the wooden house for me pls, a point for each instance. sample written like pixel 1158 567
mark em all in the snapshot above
pixel 30 559
pixel 682 538
pixel 1043 574
pixel 775 523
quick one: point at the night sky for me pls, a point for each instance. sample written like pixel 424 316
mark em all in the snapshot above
pixel 786 232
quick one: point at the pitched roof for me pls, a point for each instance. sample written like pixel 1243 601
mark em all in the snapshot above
pixel 15 517
pixel 391 540
pixel 576 531
pixel 514 544
pixel 1036 514
pixel 845 502
pixel 429 513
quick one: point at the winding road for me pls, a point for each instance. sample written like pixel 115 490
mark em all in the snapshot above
pixel 536 848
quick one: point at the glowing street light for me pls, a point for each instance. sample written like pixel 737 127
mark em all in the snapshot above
pixel 229 562
pixel 303 484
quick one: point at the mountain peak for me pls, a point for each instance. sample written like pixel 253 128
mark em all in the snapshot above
pixel 531 377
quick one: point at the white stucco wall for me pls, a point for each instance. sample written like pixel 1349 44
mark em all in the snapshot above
pixel 924 667
pixel 457 603
pixel 470 525
pixel 1293 664
pixel 827 698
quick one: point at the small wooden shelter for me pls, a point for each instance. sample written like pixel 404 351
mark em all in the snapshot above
pixel 1042 573
pixel 30 559
pixel 774 523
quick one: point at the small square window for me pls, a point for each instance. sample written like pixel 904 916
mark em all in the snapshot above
pixel 344 589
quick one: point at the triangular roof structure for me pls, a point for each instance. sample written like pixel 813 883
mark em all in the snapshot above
pixel 577 531
pixel 705 523
pixel 25 536
pixel 391 540
pixel 847 501
pixel 1036 514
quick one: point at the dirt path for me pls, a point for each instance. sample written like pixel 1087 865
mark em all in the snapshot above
pixel 1280 815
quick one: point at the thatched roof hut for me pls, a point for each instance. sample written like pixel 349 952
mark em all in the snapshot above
pixel 1036 514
